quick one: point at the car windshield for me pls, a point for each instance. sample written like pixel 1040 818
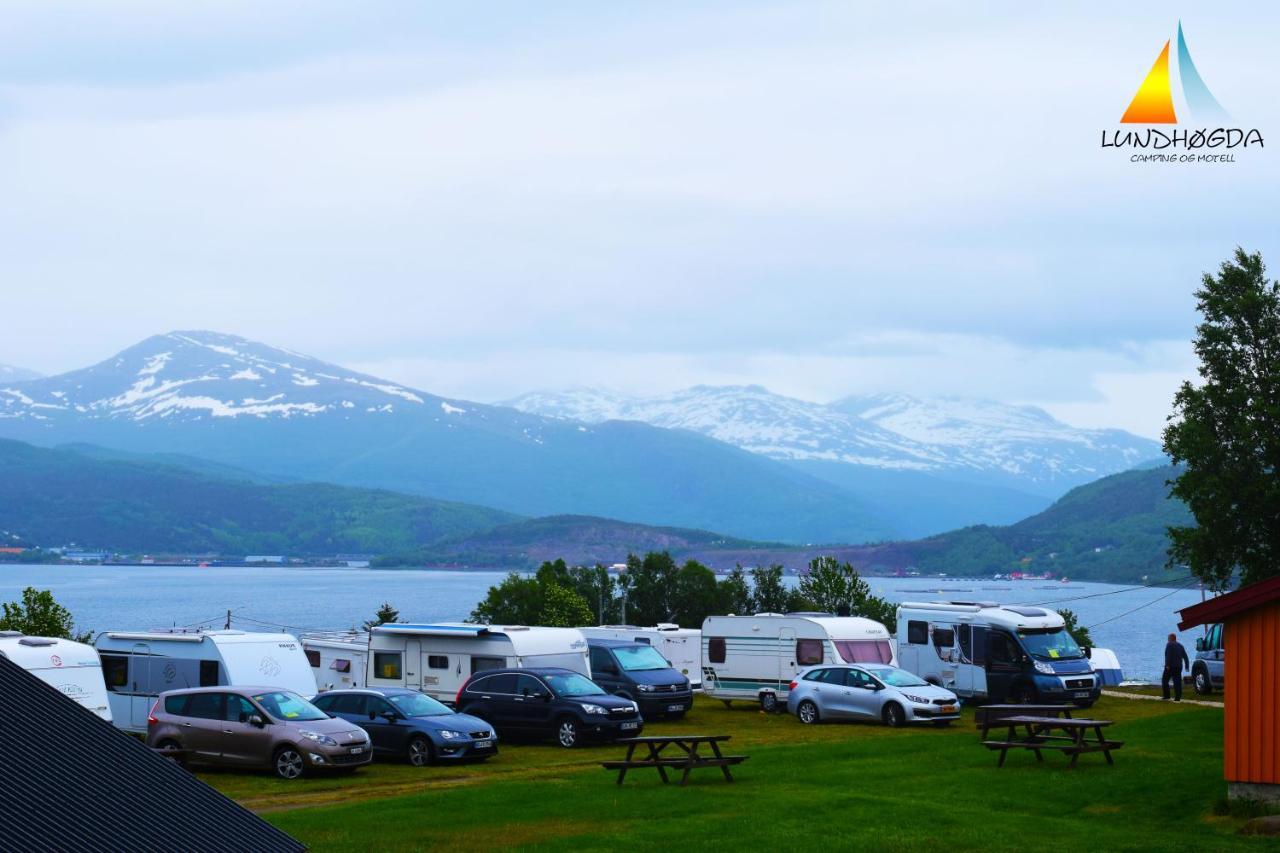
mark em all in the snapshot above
pixel 573 685
pixel 895 677
pixel 1050 644
pixel 640 658
pixel 417 705
pixel 289 706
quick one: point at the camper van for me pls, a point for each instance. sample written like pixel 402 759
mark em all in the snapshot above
pixel 982 650
pixel 681 646
pixel 437 659
pixel 140 665
pixel 71 667
pixel 756 657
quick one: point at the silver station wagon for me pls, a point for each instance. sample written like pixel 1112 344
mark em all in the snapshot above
pixel 875 692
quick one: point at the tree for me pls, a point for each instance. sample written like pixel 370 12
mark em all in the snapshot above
pixel 1078 632
pixel 768 594
pixel 515 601
pixel 833 586
pixel 696 595
pixel 650 599
pixel 385 615
pixel 1226 431
pixel 39 615
pixel 562 608
pixel 595 585
pixel 733 595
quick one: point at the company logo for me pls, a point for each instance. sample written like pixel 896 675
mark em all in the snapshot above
pixel 55 660
pixel 1208 125
pixel 269 667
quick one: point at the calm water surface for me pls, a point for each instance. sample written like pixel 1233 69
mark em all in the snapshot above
pixel 141 597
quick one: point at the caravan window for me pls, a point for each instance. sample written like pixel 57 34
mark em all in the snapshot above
pixel 313 657
pixel 208 673
pixel 808 652
pixel 943 638
pixel 715 650
pixel 340 665
pixel 386 665
pixel 865 651
pixel 644 640
pixel 917 633
pixel 437 662
pixel 115 670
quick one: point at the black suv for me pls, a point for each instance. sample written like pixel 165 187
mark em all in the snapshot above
pixel 548 702
pixel 637 671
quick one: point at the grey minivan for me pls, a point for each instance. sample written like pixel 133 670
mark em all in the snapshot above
pixel 254 727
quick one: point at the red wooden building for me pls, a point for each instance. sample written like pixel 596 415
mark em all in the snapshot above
pixel 1250 617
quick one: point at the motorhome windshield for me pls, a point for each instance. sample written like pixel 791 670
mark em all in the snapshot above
pixel 418 705
pixel 640 658
pixel 864 651
pixel 1049 644
pixel 574 685
pixel 289 706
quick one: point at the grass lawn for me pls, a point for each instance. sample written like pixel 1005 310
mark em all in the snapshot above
pixel 839 785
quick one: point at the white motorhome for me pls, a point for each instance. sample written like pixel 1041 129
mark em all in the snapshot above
pixel 988 652
pixel 438 658
pixel 140 665
pixel 681 646
pixel 71 667
pixel 757 657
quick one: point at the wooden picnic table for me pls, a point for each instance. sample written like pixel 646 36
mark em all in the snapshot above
pixel 1038 736
pixel 987 717
pixel 689 760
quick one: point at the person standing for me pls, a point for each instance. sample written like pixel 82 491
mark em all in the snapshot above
pixel 1175 661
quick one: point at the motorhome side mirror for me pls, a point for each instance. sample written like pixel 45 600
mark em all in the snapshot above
pixel 1087 651
pixel 256 720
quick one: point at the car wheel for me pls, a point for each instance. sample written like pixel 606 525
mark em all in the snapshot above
pixel 419 752
pixel 178 757
pixel 807 712
pixel 1203 685
pixel 768 702
pixel 1024 694
pixel 894 716
pixel 568 732
pixel 289 763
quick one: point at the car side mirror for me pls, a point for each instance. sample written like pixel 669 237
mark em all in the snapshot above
pixel 545 697
pixel 256 720
pixel 1199 644
pixel 390 716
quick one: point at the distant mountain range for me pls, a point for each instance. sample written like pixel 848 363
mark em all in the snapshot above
pixel 238 403
pixel 9 373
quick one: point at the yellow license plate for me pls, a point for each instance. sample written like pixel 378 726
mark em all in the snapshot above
pixel 948 709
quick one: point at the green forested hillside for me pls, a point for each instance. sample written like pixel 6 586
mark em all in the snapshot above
pixel 52 497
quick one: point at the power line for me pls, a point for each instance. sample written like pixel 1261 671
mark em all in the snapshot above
pixel 1140 606
pixel 1116 591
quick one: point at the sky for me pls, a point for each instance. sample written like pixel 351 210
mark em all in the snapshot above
pixel 484 199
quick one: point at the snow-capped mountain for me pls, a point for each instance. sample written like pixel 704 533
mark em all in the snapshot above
pixel 9 373
pixel 275 412
pixel 1017 446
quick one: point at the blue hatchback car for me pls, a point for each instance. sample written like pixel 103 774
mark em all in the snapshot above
pixel 405 724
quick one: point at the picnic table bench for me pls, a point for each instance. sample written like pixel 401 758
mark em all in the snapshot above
pixel 1038 736
pixel 987 717
pixel 689 759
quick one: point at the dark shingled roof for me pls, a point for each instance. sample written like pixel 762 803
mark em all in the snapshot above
pixel 70 781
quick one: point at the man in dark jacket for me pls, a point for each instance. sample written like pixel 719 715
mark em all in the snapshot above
pixel 1175 660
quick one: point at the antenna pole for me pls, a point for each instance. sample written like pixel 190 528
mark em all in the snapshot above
pixel 228 625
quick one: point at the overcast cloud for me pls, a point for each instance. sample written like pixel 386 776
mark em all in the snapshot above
pixel 821 198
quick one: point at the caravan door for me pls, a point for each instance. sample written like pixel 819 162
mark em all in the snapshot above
pixel 140 661
pixel 786 652
pixel 413 663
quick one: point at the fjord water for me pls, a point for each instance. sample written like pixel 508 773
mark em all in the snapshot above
pixel 296 599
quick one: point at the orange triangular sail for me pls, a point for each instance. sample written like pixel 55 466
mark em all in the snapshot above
pixel 1154 102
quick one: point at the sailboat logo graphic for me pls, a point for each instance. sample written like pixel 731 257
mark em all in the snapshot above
pixel 1153 104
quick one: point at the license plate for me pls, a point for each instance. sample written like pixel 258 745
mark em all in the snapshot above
pixel 1081 695
pixel 671 708
pixel 356 750
pixel 628 726
pixel 483 744
pixel 948 709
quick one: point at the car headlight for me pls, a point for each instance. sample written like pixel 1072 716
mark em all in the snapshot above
pixel 318 737
pixel 593 709
pixel 1045 667
pixel 645 688
pixel 448 734
pixel 919 700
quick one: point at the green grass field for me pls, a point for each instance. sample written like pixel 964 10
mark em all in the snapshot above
pixel 840 785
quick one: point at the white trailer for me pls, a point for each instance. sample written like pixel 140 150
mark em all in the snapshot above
pixel 681 646
pixel 438 658
pixel 757 657
pixel 73 668
pixel 140 665
pixel 989 652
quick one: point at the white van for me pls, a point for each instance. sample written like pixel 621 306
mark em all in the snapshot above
pixel 438 658
pixel 71 667
pixel 140 665
pixel 681 646
pixel 988 652
pixel 757 657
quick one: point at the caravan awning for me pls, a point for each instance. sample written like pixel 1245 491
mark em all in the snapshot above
pixel 432 630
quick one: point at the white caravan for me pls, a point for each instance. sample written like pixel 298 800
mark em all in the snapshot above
pixel 681 646
pixel 140 665
pixel 71 667
pixel 438 658
pixel 989 652
pixel 757 657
